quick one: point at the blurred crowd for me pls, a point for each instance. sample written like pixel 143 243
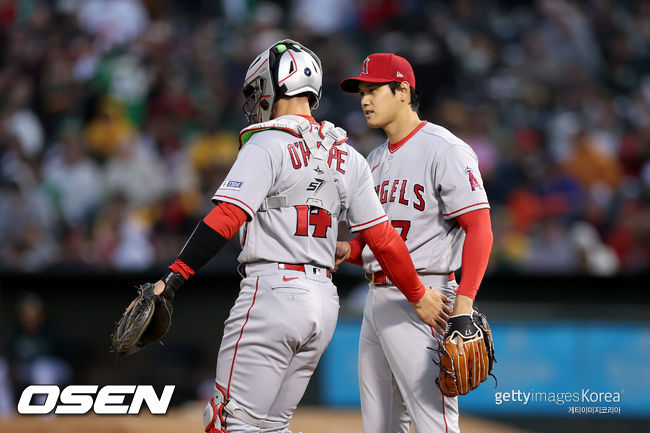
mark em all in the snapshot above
pixel 119 118
pixel 35 353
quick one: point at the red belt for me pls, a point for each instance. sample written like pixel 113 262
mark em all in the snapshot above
pixel 301 268
pixel 379 278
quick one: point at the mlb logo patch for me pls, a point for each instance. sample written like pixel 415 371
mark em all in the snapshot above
pixel 231 185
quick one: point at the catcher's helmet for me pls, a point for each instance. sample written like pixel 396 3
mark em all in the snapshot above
pixel 285 69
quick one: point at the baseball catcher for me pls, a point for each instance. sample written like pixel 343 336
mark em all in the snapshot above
pixel 466 354
pixel 147 318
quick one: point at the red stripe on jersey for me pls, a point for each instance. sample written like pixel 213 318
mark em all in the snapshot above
pixel 368 222
pixel 394 146
pixel 466 207
pixel 236 199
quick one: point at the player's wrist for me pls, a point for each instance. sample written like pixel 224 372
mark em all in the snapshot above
pixel 172 281
pixel 415 296
pixel 463 305
pixel 343 250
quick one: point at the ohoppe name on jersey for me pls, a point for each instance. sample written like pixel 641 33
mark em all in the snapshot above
pixel 299 153
pixel 402 192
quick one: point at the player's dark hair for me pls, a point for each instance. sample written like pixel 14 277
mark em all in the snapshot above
pixel 415 95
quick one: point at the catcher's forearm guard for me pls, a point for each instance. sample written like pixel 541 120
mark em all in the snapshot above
pixel 459 374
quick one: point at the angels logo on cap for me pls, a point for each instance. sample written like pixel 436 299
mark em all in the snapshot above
pixel 381 68
pixel 364 66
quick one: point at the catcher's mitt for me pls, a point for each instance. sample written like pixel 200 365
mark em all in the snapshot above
pixel 146 320
pixel 459 374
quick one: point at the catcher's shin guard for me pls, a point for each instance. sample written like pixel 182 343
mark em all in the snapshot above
pixel 213 416
pixel 217 408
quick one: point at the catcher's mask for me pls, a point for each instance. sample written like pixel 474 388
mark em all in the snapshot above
pixel 285 69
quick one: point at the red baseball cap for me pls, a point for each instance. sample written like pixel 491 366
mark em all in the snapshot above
pixel 381 68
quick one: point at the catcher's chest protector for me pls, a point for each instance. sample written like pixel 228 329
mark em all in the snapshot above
pixel 317 186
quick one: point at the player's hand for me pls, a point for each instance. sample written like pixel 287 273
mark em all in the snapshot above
pixel 432 308
pixel 462 305
pixel 158 287
pixel 343 251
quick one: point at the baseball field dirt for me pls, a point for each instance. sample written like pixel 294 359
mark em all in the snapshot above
pixel 189 419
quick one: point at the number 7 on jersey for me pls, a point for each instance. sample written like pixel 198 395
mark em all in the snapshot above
pixel 404 226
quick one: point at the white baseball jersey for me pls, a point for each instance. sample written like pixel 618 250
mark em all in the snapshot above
pixel 423 183
pixel 284 317
pixel 430 179
pixel 271 162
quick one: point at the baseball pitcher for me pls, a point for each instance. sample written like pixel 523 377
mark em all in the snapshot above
pixel 429 185
pixel 293 181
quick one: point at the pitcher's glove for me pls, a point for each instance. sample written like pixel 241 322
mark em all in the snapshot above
pixel 461 374
pixel 147 319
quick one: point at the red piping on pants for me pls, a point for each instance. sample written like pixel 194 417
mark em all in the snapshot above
pixel 241 333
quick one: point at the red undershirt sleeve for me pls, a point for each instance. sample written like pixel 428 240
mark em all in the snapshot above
pixel 476 249
pixel 393 257
pixel 356 247
pixel 225 219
